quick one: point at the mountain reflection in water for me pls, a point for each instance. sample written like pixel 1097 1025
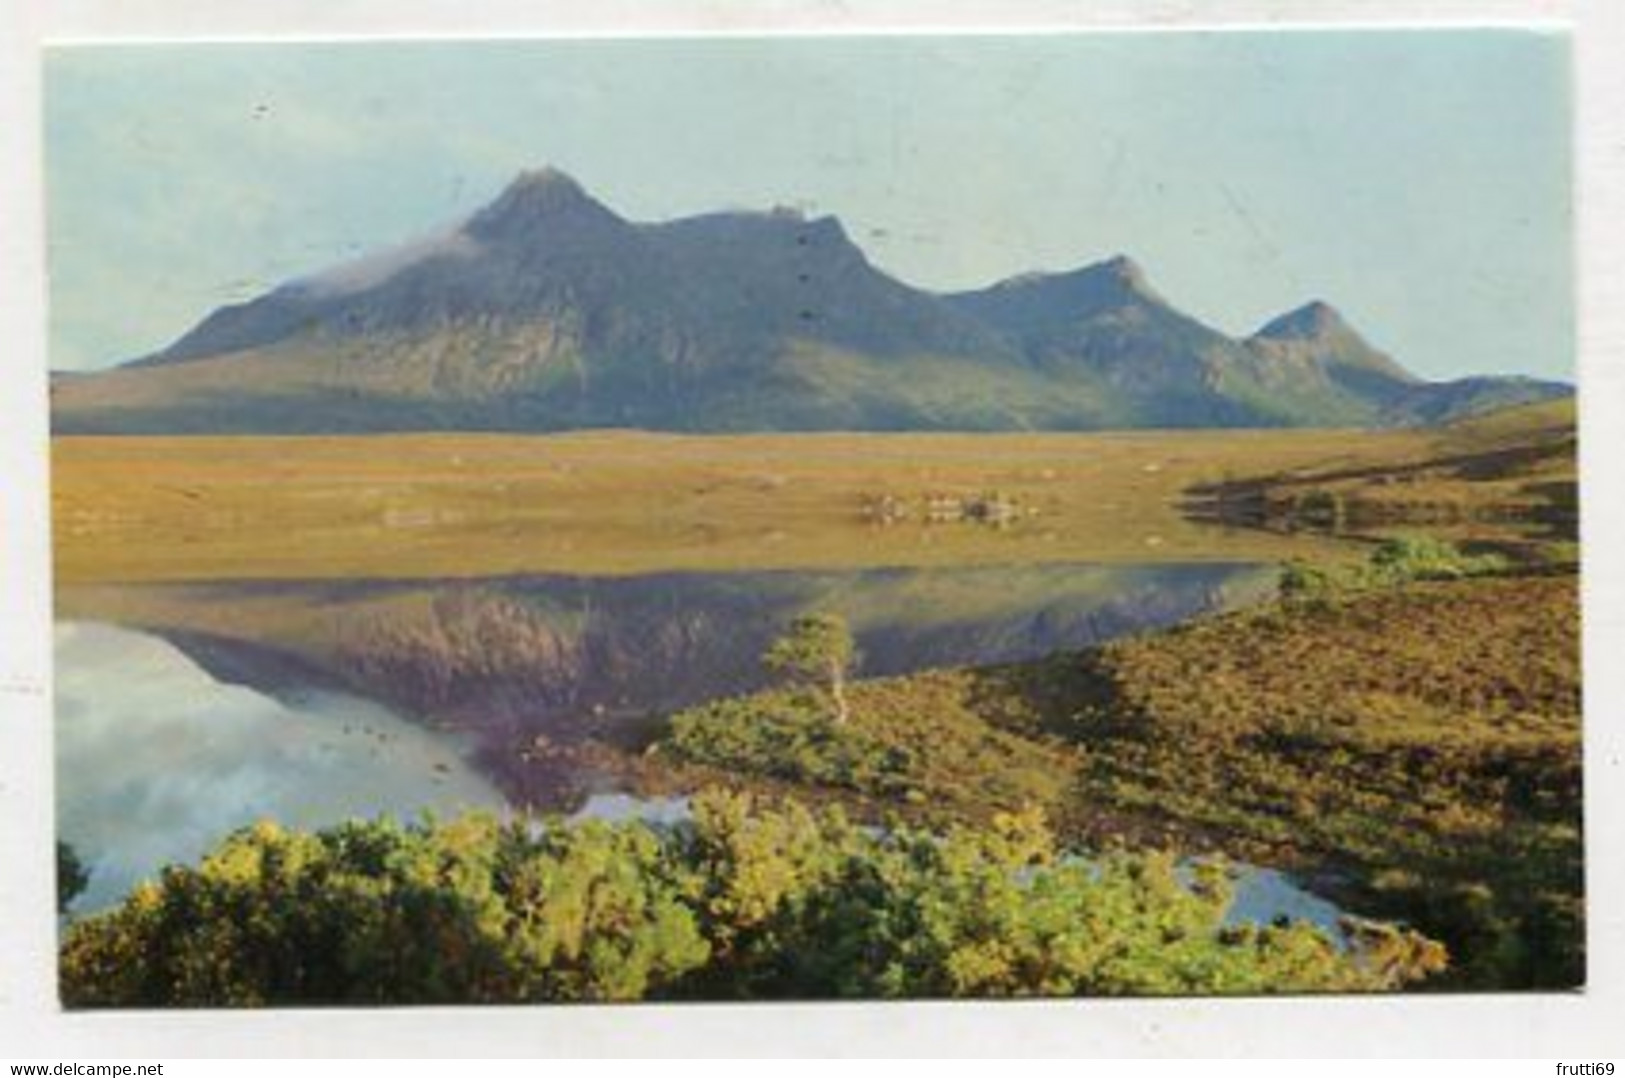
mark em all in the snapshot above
pixel 157 761
pixel 520 667
pixel 186 711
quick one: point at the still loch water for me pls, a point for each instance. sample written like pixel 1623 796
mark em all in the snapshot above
pixel 186 711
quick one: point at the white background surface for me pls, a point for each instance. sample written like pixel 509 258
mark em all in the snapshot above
pixel 1571 1027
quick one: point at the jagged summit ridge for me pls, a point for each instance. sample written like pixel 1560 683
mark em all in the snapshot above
pixel 546 310
pixel 1317 318
pixel 545 177
pixel 1119 270
pixel 1317 335
pixel 1122 268
pixel 538 199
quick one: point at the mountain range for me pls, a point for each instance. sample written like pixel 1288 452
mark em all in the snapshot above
pixel 546 310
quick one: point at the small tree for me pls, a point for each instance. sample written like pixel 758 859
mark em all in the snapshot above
pixel 817 649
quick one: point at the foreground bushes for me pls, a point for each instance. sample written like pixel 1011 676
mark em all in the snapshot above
pixel 742 903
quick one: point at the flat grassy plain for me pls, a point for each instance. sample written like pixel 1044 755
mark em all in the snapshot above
pixel 388 506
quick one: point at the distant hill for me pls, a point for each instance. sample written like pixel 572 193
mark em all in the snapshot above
pixel 548 311
pixel 1508 477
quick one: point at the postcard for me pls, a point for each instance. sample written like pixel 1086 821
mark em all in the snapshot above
pixel 762 518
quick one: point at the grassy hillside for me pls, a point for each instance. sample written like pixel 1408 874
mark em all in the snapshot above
pixel 1416 747
pixel 1509 477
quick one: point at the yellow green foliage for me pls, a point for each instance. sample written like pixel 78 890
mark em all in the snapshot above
pixel 744 902
pixel 1395 561
pixel 916 741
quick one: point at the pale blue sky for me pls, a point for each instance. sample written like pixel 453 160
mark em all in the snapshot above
pixel 1417 180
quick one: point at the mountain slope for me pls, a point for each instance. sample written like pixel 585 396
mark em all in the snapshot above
pixel 546 310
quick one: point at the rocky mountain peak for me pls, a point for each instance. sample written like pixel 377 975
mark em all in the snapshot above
pixel 545 178
pixel 1124 269
pixel 1315 319
pixel 536 197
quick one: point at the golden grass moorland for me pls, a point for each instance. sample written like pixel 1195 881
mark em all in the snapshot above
pixel 224 508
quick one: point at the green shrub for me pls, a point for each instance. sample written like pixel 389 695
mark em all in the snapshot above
pixel 1424 557
pixel 786 736
pixel 744 902
pixel 1394 562
pixel 1556 554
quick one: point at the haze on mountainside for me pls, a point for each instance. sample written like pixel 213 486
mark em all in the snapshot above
pixel 547 311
